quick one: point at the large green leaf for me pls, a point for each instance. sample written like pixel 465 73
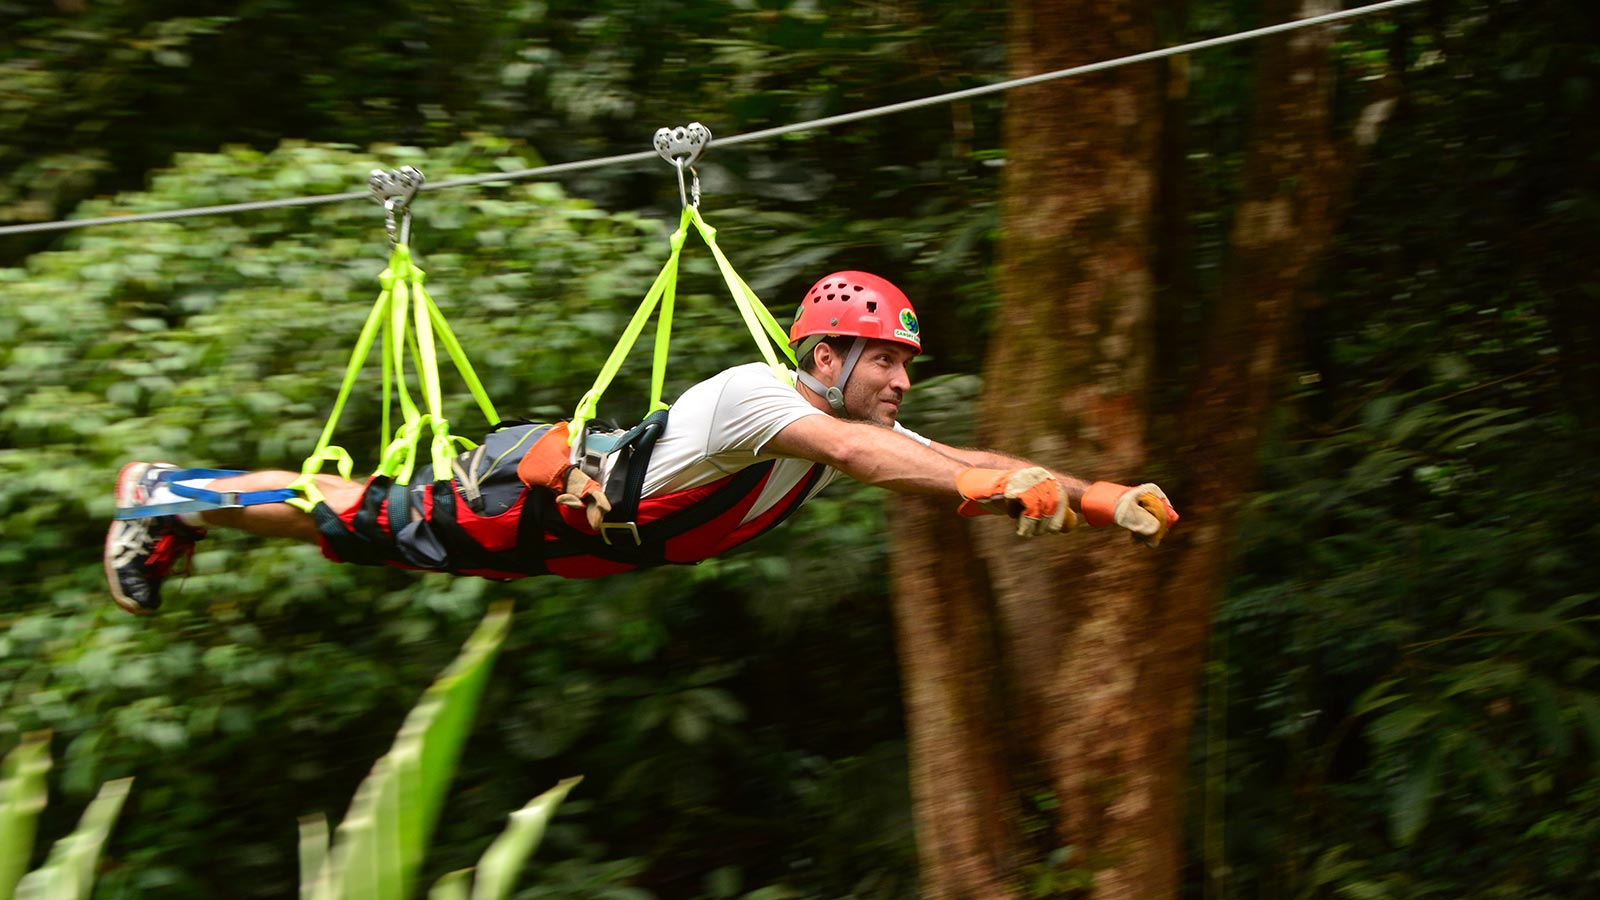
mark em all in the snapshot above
pixel 313 856
pixel 23 795
pixel 379 846
pixel 503 861
pixel 69 873
pixel 1413 798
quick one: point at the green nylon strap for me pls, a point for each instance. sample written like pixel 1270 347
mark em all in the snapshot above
pixel 763 327
pixel 663 290
pixel 404 318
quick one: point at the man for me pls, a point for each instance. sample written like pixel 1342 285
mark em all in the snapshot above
pixel 738 453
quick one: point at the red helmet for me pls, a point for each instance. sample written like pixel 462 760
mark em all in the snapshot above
pixel 854 304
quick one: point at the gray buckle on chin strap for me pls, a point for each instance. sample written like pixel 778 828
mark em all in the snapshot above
pixel 607 527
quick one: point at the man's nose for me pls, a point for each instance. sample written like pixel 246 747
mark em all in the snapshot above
pixel 900 380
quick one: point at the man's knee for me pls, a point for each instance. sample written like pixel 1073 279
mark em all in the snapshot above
pixel 339 493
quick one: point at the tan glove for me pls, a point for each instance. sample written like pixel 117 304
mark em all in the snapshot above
pixel 1032 496
pixel 548 464
pixel 1144 511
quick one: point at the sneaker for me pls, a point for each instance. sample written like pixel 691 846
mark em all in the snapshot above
pixel 141 553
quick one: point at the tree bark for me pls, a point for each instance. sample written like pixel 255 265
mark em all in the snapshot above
pixel 961 785
pixel 1070 370
pixel 1051 683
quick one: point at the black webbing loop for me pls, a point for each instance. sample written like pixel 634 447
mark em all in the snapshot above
pixel 633 450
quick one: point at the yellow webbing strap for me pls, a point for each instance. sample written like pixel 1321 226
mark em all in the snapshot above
pixel 763 327
pixel 407 319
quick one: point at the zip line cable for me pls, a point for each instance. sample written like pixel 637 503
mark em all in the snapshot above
pixel 764 134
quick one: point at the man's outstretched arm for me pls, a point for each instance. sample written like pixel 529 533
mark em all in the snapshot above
pixel 875 455
pixel 878 456
pixel 870 454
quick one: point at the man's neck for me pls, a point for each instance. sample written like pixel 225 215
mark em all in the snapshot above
pixel 812 397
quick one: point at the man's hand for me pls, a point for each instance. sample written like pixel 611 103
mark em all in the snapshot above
pixel 1032 496
pixel 583 492
pixel 548 464
pixel 1144 511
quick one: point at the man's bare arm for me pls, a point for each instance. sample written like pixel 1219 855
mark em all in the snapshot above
pixel 870 454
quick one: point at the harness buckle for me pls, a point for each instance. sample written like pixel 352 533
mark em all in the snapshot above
pixel 228 500
pixel 607 527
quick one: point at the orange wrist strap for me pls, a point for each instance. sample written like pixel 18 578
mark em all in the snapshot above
pixel 981 484
pixel 1099 502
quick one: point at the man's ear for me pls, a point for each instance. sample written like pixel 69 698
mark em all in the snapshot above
pixel 826 360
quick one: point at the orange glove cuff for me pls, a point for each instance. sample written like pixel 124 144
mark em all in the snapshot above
pixel 978 485
pixel 545 464
pixel 1100 502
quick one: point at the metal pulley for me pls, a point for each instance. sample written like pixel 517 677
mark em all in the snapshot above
pixel 395 189
pixel 681 146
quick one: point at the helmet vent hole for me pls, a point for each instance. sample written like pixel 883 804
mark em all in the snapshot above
pixel 831 296
pixel 872 306
pixel 858 288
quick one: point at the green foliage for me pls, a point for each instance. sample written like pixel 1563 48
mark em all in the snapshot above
pixel 69 872
pixel 1403 659
pixel 23 795
pixel 502 863
pixel 220 341
pixel 105 93
pixel 382 840
pixel 1404 686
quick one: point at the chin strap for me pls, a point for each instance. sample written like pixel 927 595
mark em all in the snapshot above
pixel 835 394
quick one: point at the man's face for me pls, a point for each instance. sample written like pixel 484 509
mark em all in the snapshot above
pixel 878 383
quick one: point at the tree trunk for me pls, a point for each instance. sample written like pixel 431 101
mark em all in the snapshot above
pixel 961 785
pixel 1051 683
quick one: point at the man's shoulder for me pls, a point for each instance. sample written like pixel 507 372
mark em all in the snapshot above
pixel 747 380
pixel 755 373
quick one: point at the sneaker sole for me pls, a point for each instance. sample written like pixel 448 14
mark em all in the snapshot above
pixel 131 475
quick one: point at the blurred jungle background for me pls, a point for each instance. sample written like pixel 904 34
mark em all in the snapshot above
pixel 1336 291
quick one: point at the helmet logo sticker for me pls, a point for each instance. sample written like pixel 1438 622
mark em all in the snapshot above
pixel 908 327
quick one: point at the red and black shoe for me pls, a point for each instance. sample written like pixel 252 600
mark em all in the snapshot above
pixel 141 553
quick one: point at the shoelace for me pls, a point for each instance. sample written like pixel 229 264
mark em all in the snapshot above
pixel 165 550
pixel 171 550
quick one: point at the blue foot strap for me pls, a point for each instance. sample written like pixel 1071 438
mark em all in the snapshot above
pixel 203 499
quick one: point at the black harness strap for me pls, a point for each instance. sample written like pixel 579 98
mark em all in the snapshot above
pixel 542 534
pixel 363 541
pixel 633 451
pixel 399 507
pixel 464 553
pixel 651 549
pixel 799 500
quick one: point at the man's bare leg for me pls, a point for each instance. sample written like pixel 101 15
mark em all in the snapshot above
pixel 279 519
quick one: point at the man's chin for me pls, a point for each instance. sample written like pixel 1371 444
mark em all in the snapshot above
pixel 882 420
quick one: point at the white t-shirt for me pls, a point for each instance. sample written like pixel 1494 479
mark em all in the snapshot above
pixel 722 424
